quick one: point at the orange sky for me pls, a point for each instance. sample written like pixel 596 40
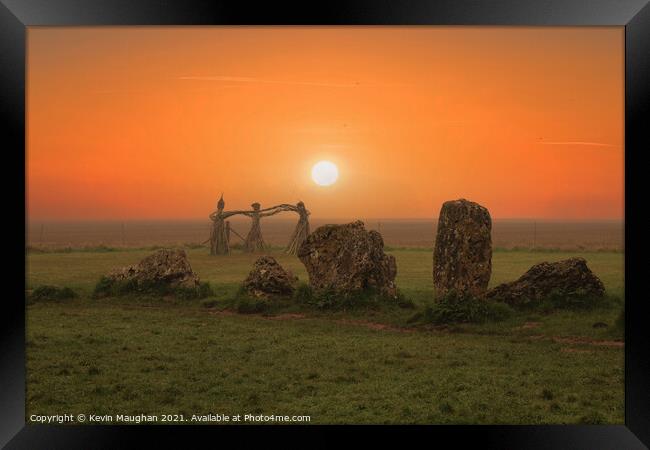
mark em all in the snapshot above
pixel 155 122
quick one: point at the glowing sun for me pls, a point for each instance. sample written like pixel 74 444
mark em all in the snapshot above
pixel 324 173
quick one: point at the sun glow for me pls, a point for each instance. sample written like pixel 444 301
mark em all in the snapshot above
pixel 324 173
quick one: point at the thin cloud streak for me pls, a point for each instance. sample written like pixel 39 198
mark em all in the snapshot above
pixel 592 144
pixel 290 83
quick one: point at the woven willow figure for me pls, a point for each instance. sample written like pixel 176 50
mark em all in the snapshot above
pixel 254 241
pixel 218 238
pixel 219 234
pixel 220 231
pixel 301 231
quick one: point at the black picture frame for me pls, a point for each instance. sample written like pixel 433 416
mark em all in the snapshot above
pixel 634 15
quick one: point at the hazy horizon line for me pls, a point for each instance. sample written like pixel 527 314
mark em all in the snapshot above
pixel 341 218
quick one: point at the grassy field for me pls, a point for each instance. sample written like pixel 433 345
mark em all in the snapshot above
pixel 158 356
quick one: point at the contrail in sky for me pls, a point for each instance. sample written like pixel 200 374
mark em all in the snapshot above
pixel 290 83
pixel 261 80
pixel 593 144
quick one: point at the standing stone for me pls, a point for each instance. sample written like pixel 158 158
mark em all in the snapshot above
pixel 269 278
pixel 462 256
pixel 168 267
pixel 348 259
pixel 567 278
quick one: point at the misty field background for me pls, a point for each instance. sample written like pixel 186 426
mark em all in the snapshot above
pixel 507 234
pixel 152 355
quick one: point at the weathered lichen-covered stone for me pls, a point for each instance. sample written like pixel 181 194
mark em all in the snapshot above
pixel 165 267
pixel 348 259
pixel 462 256
pixel 570 277
pixel 268 278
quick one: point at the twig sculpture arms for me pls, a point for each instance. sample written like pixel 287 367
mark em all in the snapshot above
pixel 301 231
pixel 220 231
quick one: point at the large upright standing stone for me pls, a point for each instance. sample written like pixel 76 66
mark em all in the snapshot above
pixel 348 259
pixel 462 257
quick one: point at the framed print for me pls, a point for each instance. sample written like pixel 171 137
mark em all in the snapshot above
pixel 422 216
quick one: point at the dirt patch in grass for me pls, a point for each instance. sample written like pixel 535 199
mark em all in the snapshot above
pixel 373 325
pixel 298 316
pixel 575 350
pixel 287 316
pixel 570 340
pixel 586 341
pixel 225 312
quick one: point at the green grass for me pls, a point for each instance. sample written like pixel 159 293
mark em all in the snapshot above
pixel 51 293
pixel 150 355
pixel 453 308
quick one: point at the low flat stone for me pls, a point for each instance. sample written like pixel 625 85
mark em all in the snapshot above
pixel 166 266
pixel 569 277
